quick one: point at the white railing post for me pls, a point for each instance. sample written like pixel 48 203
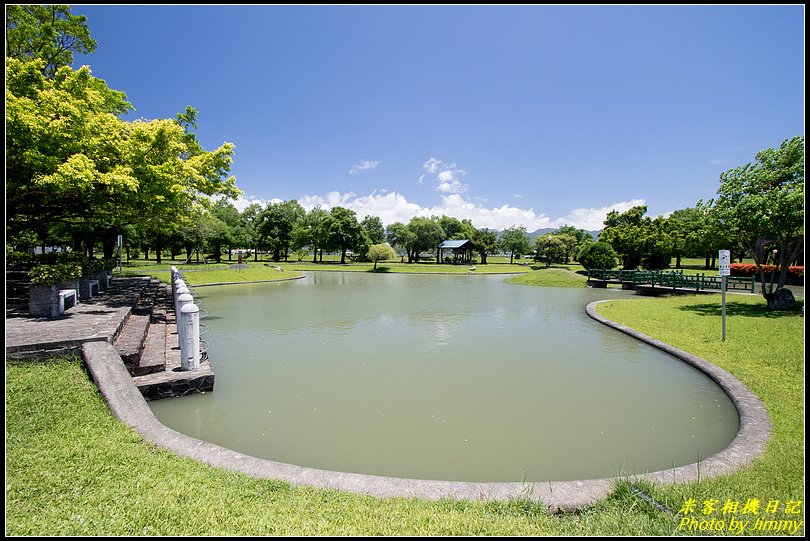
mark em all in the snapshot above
pixel 190 337
pixel 173 278
pixel 182 300
pixel 181 290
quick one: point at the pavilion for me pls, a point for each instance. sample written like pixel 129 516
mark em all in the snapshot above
pixel 462 250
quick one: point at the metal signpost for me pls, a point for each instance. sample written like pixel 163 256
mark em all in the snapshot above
pixel 120 243
pixel 725 270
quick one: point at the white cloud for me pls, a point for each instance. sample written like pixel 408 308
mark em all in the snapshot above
pixel 393 207
pixel 593 219
pixel 447 176
pixel 364 165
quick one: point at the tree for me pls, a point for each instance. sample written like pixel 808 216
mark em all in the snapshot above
pixel 215 235
pixel 597 255
pixel 581 238
pixel 550 248
pixel 374 228
pixel 251 224
pixel 428 234
pixel 762 205
pixel 684 228
pixel 623 231
pixel 514 240
pixel 70 159
pixel 345 230
pixel 49 32
pixel 316 231
pixel 380 252
pixel 403 238
pixel 638 239
pixel 276 226
pixel 237 234
pixel 485 242
pixel 452 227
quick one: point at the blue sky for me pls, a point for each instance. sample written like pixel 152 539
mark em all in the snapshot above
pixel 507 115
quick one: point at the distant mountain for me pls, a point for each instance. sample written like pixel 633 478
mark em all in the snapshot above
pixel 540 232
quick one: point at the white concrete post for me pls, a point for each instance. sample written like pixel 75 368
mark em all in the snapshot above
pixel 181 289
pixel 174 276
pixel 182 300
pixel 190 337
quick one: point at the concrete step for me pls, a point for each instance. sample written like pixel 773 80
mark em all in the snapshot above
pixel 131 341
pixel 153 357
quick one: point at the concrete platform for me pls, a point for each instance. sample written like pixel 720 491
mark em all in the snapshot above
pixel 134 314
pixel 171 381
pixel 98 319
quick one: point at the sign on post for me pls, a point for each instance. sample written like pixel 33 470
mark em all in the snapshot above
pixel 725 270
pixel 725 262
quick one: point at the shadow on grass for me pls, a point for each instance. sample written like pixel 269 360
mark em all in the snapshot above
pixel 742 309
pixel 379 269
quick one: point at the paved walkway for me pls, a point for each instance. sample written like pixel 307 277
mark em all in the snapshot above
pixel 98 319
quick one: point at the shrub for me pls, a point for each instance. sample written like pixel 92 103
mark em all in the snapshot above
pixel 598 255
pixel 48 275
pixel 749 269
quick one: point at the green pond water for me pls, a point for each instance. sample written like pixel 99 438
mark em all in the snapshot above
pixel 462 378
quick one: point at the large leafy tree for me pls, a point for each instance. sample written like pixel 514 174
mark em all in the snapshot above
pixel 48 32
pixel 401 237
pixel 315 231
pixel 514 241
pixel 73 164
pixel 638 239
pixel 251 225
pixel 428 234
pixel 485 242
pixel 374 228
pixel 580 237
pixel 345 230
pixel 550 248
pixel 70 159
pixel 277 223
pixel 229 215
pixel 762 205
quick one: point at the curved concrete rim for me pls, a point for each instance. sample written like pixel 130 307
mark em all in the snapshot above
pixel 128 405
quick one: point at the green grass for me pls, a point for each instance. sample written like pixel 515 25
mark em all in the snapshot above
pixel 264 269
pixel 210 273
pixel 551 277
pixel 72 469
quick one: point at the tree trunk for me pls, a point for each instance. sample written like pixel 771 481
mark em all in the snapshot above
pixel 158 249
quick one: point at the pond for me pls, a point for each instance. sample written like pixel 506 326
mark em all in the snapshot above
pixel 464 378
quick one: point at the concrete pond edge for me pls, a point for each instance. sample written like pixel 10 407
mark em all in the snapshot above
pixel 128 406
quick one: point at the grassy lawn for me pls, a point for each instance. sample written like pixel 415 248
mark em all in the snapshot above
pixel 554 276
pixel 265 269
pixel 72 469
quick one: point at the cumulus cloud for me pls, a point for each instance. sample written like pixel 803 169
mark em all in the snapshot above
pixel 593 219
pixel 364 165
pixel 393 207
pixel 446 175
